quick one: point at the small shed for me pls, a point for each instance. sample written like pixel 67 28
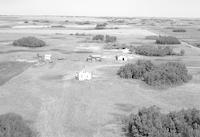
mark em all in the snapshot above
pixel 48 57
pixel 126 51
pixel 94 58
pixel 121 58
pixel 83 75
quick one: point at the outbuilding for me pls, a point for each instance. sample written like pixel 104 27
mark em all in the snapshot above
pixel 121 58
pixel 83 75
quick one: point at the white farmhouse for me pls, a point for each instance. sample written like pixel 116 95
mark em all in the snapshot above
pixel 121 58
pixel 48 57
pixel 83 75
pixel 126 51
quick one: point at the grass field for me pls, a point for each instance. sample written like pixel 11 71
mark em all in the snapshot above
pixel 60 108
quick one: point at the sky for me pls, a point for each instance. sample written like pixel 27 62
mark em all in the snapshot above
pixel 122 8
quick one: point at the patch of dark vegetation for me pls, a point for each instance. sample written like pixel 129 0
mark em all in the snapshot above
pixel 117 46
pixel 197 45
pixel 98 37
pixel 161 76
pixel 106 39
pixel 80 34
pixel 110 39
pixel 167 40
pixel 83 23
pixel 101 26
pixel 152 37
pixel 13 125
pixel 83 52
pixel 31 42
pixel 57 26
pixel 150 122
pixel 154 50
pixel 5 26
pixel 179 30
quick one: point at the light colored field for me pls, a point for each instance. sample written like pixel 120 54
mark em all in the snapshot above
pixel 70 108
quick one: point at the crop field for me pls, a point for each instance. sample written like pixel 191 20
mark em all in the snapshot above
pixel 55 104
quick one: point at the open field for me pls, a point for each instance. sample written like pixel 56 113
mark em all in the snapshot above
pixel 58 105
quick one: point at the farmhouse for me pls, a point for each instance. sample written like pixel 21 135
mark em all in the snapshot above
pixel 83 75
pixel 48 57
pixel 126 51
pixel 121 58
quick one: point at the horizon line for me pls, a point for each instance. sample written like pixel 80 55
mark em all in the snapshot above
pixel 178 17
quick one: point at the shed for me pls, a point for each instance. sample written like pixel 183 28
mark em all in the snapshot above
pixel 83 75
pixel 126 51
pixel 121 58
pixel 48 57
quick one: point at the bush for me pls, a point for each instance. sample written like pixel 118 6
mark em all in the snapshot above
pixel 179 30
pixel 13 125
pixel 57 26
pixel 153 37
pixel 101 26
pixel 117 46
pixel 169 74
pixel 153 50
pixel 110 39
pixel 167 40
pixel 197 45
pixel 150 122
pixel 164 75
pixel 135 71
pixel 182 52
pixel 98 37
pixel 29 42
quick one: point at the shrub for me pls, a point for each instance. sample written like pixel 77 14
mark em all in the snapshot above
pixel 135 71
pixel 153 37
pixel 13 125
pixel 197 45
pixel 98 37
pixel 57 26
pixel 169 74
pixel 179 30
pixel 167 40
pixel 150 122
pixel 29 42
pixel 101 26
pixel 110 39
pixel 153 50
pixel 117 46
pixel 164 75
pixel 182 52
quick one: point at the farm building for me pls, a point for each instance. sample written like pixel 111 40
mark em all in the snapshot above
pixel 48 57
pixel 83 75
pixel 94 58
pixel 44 58
pixel 121 58
pixel 126 51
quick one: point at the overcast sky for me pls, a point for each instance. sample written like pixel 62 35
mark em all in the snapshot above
pixel 131 8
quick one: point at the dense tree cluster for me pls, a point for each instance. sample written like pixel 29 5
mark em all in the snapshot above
pixel 13 125
pixel 153 50
pixel 29 42
pixel 179 30
pixel 163 75
pixel 106 38
pixel 167 40
pixel 150 122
